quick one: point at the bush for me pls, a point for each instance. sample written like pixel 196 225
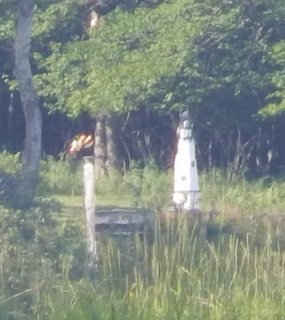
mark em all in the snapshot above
pixel 60 177
pixel 149 187
pixel 110 185
pixel 35 245
pixel 9 163
pixel 241 196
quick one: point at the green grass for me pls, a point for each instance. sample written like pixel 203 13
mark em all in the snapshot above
pixel 177 278
pixel 241 196
pixel 152 188
pixel 76 201
pixel 173 275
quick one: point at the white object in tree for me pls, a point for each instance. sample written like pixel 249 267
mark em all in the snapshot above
pixel 89 203
pixel 186 193
pixel 94 19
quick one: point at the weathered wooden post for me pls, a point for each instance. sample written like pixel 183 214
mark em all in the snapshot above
pixel 89 204
pixel 80 144
pixel 186 194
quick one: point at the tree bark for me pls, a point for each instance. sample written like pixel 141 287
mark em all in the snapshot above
pixel 30 102
pixel 100 146
pixel 105 145
pixel 112 161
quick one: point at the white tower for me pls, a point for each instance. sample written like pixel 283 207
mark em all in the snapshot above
pixel 186 187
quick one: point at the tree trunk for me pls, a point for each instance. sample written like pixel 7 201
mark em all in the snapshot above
pixel 105 145
pixel 112 161
pixel 30 103
pixel 100 146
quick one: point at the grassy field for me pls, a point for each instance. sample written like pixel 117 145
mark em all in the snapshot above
pixel 237 273
pixel 176 276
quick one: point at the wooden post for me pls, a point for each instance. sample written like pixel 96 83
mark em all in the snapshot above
pixel 89 204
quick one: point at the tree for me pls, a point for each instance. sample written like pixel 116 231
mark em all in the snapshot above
pixel 276 100
pixel 215 57
pixel 116 66
pixel 32 151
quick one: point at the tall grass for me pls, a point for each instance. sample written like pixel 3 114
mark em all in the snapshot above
pixel 60 177
pixel 241 196
pixel 178 277
pixel 147 187
pixel 173 275
pixel 152 188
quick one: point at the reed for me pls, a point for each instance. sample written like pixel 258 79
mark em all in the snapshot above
pixel 175 274
pixel 179 276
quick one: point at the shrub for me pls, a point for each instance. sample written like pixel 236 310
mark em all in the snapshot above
pixel 148 187
pixel 60 177
pixel 9 163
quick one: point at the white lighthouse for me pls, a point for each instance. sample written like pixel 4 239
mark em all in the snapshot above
pixel 186 194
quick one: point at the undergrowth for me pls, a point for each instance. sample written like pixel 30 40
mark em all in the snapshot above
pixel 152 188
pixel 176 275
pixel 172 275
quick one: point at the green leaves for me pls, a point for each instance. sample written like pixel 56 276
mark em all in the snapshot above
pixel 276 100
pixel 124 59
pixel 168 55
pixel 7 16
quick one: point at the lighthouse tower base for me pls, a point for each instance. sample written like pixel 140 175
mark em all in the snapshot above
pixel 186 192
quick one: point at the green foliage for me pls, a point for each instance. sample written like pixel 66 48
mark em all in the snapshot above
pixel 176 54
pixel 110 185
pixel 241 196
pixel 34 245
pixel 149 187
pixel 61 177
pixel 223 59
pixel 215 57
pixel 143 47
pixel 7 15
pixel 170 279
pixel 152 188
pixel 9 163
pixel 42 256
pixel 276 105
pixel 57 19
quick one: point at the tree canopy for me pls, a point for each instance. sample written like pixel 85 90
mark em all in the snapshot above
pixel 222 59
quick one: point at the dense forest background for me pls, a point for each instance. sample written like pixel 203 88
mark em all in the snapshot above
pixel 126 69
